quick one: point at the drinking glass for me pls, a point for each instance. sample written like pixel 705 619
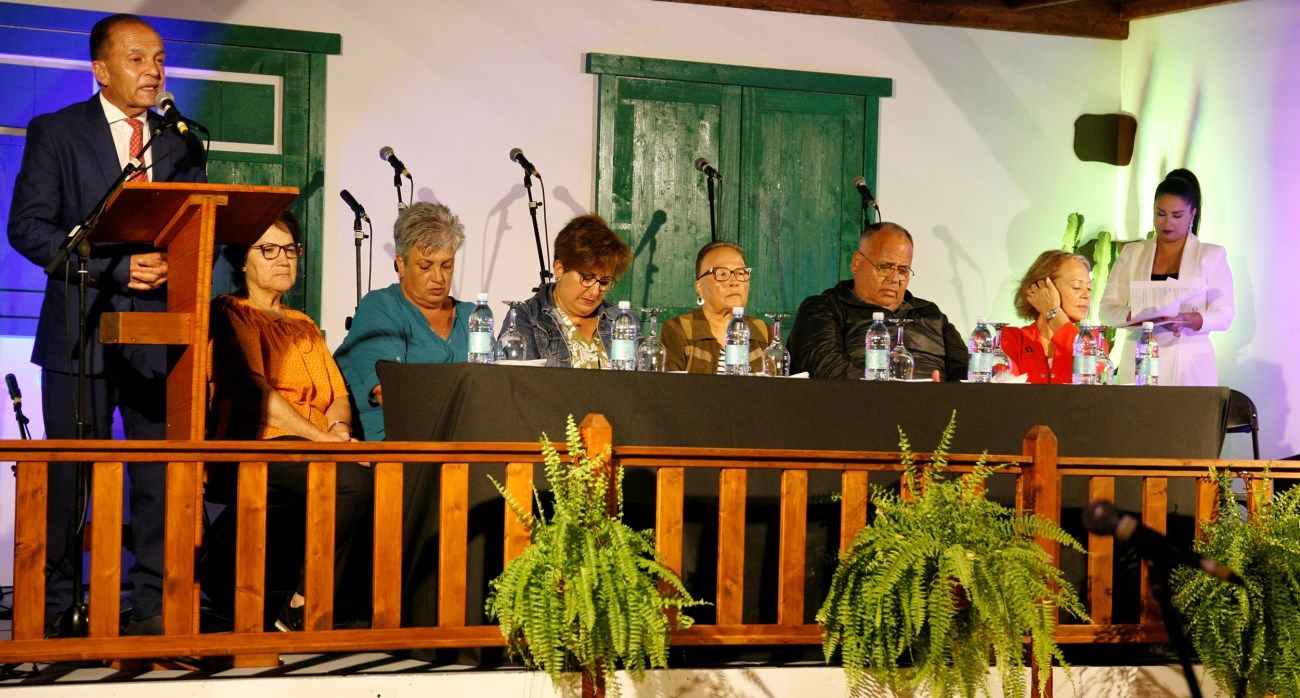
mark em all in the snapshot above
pixel 650 353
pixel 1105 367
pixel 776 358
pixel 511 345
pixel 1001 362
pixel 901 363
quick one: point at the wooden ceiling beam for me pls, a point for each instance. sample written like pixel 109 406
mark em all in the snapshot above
pixel 1073 19
pixel 1138 9
pixel 1021 5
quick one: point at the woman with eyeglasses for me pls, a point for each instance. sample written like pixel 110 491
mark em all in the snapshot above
pixel 694 340
pixel 415 320
pixel 568 322
pixel 273 378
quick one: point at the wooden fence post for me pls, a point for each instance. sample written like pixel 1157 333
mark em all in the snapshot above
pixel 1042 494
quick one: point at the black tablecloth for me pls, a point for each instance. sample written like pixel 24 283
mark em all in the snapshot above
pixel 461 402
pixel 464 402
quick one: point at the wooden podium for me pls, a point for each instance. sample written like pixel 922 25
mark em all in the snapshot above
pixel 187 220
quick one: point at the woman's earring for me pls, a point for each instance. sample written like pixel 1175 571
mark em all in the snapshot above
pixel 699 301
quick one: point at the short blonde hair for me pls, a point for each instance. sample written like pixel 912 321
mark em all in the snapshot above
pixel 1047 264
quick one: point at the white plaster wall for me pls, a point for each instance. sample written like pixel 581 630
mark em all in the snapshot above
pixel 1218 90
pixel 975 148
pixel 975 153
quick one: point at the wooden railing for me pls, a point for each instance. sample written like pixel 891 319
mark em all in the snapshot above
pixel 1037 486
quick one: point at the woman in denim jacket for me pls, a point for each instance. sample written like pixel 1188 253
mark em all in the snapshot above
pixel 568 322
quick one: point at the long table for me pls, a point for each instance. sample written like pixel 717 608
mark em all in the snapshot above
pixel 474 402
pixel 462 402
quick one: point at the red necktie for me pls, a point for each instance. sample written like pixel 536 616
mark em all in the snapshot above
pixel 137 145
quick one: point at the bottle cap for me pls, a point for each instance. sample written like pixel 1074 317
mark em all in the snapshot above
pixel 1147 325
pixel 878 317
pixel 482 297
pixel 981 319
pixel 738 311
pixel 625 305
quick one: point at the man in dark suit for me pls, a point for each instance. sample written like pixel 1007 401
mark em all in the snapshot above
pixel 71 158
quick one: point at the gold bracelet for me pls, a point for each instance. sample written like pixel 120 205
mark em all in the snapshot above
pixel 343 422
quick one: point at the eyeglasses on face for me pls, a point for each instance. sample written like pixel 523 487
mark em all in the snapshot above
pixel 588 279
pixel 888 269
pixel 271 251
pixel 723 273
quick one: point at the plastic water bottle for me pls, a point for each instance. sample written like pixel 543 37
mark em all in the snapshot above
pixel 877 365
pixel 622 349
pixel 735 359
pixel 1148 357
pixel 480 332
pixel 1085 356
pixel 980 367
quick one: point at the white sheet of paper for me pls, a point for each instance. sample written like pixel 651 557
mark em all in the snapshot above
pixel 1155 299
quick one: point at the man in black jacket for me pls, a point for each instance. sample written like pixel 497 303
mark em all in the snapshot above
pixel 828 339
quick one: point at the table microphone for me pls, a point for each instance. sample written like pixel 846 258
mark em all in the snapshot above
pixel 15 395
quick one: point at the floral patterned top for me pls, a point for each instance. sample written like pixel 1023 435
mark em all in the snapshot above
pixel 583 352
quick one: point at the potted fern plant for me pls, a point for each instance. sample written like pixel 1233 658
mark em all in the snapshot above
pixel 590 593
pixel 1248 638
pixel 942 580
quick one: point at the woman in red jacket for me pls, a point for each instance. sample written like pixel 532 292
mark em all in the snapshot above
pixel 1055 295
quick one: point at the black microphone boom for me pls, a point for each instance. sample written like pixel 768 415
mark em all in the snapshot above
pixel 703 166
pixel 517 155
pixel 387 155
pixel 357 208
pixel 1101 517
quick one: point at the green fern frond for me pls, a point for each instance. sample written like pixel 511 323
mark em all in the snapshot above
pixel 587 593
pixel 892 597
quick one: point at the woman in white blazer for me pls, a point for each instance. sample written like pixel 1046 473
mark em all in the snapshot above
pixel 1186 355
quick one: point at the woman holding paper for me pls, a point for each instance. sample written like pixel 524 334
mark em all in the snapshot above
pixel 1182 285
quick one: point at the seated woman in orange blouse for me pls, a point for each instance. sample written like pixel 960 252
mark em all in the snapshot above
pixel 1055 295
pixel 274 378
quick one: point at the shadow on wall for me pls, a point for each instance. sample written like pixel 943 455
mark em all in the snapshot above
pixel 1133 209
pixel 648 244
pixel 959 260
pixel 1011 135
pixel 501 211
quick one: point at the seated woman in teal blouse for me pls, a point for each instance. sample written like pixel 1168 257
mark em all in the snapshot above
pixel 412 321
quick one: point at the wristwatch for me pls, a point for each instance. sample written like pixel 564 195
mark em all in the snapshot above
pixel 1051 314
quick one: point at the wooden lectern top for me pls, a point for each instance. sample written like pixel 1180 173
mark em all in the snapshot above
pixel 143 211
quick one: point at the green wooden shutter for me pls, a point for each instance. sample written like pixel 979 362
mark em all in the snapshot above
pixel 800 217
pixel 788 145
pixel 651 132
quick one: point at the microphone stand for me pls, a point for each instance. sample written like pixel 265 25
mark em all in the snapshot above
pixel 401 206
pixel 358 236
pixel 713 214
pixel 533 205
pixel 78 239
pixel 1159 581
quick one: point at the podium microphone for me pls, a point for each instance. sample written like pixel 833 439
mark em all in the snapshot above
pixel 387 155
pixel 1101 517
pixel 166 103
pixel 517 155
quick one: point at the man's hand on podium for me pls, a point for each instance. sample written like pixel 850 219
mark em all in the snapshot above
pixel 148 271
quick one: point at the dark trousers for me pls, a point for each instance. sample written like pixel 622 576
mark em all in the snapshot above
pixel 140 400
pixel 286 500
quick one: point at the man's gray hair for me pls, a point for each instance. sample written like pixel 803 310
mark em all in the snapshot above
pixel 428 226
pixel 871 230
